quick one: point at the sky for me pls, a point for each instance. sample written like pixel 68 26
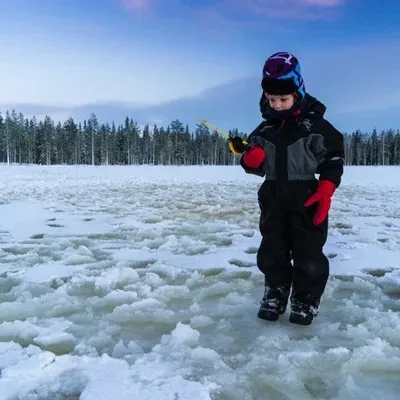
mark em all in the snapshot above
pixel 159 60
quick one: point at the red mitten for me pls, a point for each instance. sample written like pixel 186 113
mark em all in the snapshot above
pixel 254 157
pixel 323 197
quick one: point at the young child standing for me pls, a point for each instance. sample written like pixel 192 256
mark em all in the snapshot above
pixel 293 144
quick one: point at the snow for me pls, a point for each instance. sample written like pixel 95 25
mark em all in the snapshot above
pixel 142 281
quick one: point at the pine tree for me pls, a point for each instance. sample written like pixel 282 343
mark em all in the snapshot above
pixel 3 140
pixel 179 145
pixel 31 127
pixel 145 147
pixel 93 129
pixel 70 142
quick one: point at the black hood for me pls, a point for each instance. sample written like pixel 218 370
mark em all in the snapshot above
pixel 308 106
pixel 313 106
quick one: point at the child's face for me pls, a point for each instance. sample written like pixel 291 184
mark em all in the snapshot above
pixel 281 102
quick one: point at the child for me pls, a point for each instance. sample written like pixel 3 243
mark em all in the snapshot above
pixel 293 144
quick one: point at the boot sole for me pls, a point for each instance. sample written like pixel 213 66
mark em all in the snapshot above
pixel 295 319
pixel 269 316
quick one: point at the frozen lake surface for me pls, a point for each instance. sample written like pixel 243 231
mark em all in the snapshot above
pixel 140 283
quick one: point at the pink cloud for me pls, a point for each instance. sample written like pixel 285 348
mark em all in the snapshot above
pixel 224 10
pixel 292 9
pixel 321 3
pixel 133 5
pixel 273 9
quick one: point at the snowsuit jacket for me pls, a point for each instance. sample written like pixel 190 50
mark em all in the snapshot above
pixel 299 148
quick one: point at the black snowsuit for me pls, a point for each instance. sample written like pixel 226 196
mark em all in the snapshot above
pixel 296 150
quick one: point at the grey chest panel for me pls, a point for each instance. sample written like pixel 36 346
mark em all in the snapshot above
pixel 303 156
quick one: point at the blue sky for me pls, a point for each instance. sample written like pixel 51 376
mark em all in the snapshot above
pixel 166 59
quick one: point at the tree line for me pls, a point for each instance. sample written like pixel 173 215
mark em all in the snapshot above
pixel 45 142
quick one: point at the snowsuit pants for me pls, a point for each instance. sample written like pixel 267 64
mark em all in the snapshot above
pixel 290 236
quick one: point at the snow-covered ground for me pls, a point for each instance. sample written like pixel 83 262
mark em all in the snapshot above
pixel 140 283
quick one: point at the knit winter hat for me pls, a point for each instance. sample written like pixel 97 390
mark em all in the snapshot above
pixel 282 75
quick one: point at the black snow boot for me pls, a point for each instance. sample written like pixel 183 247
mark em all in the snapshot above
pixel 303 311
pixel 273 303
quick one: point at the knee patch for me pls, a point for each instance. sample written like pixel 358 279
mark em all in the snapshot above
pixel 267 261
pixel 312 268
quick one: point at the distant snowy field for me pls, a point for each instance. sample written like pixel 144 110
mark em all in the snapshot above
pixel 122 283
